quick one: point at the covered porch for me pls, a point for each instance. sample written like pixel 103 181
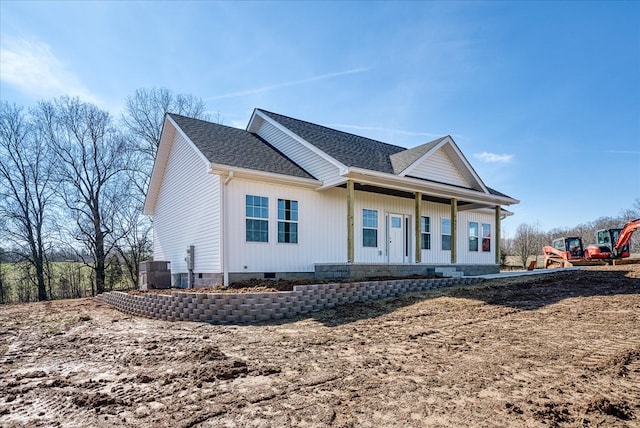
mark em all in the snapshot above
pixel 458 199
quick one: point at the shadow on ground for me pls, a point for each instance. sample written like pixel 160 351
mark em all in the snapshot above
pixel 523 292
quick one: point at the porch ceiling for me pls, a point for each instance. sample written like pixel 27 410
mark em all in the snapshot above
pixel 407 195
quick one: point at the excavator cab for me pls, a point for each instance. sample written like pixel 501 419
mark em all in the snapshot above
pixel 606 240
pixel 612 243
pixel 563 252
pixel 574 247
pixel 571 246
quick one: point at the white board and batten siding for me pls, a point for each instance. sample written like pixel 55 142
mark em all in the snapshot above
pixel 475 257
pixel 306 158
pixel 322 225
pixel 187 211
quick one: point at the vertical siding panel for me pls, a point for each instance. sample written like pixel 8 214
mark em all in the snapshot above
pixel 475 257
pixel 188 211
pixel 437 212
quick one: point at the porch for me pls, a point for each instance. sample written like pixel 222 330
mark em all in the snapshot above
pixel 354 271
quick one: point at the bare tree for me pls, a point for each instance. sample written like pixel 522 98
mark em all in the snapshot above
pixel 91 162
pixel 143 119
pixel 26 189
pixel 145 111
pixel 135 244
pixel 4 285
pixel 528 241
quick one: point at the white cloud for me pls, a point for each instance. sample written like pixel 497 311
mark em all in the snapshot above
pixel 32 67
pixel 285 84
pixel 492 157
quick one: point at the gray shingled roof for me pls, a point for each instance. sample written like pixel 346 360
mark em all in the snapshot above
pixel 236 147
pixel 239 148
pixel 349 149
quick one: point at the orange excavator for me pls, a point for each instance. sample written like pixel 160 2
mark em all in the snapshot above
pixel 612 244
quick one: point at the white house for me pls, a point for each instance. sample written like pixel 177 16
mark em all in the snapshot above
pixel 288 198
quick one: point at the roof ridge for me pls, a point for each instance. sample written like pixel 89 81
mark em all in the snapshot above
pixel 204 120
pixel 331 129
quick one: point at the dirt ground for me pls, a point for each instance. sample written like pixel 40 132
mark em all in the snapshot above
pixel 560 349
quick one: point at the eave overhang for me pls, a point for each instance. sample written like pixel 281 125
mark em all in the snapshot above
pixel 409 184
pixel 267 177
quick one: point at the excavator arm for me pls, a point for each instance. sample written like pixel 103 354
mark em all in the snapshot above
pixel 626 233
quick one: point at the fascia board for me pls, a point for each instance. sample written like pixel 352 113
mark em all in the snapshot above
pixel 191 143
pixel 225 170
pixel 334 182
pixel 414 185
pixel 468 166
pixel 167 136
pixel 252 121
pixel 301 140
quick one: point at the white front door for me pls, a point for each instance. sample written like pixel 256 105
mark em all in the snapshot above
pixel 396 240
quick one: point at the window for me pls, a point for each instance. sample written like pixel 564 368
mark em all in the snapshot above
pixel 486 237
pixel 446 233
pixel 425 233
pixel 257 221
pixel 369 228
pixel 473 236
pixel 287 221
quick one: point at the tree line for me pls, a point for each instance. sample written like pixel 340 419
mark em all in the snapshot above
pixel 529 239
pixel 72 185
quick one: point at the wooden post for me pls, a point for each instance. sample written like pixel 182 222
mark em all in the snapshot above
pixel 418 231
pixel 350 222
pixel 454 230
pixel 496 235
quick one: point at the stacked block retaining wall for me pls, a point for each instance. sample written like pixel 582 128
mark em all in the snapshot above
pixel 233 308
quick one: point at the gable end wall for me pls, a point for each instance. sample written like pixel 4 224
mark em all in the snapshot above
pixel 438 167
pixel 188 211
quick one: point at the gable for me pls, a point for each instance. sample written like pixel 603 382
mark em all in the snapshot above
pixel 443 162
pixel 439 167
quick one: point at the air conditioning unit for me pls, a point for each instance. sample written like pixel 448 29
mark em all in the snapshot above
pixel 155 275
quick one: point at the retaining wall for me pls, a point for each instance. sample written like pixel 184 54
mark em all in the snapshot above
pixel 233 308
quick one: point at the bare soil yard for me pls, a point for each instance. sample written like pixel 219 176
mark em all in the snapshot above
pixel 560 349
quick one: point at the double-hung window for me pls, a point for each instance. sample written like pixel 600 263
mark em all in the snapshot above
pixel 257 218
pixel 425 233
pixel 287 221
pixel 486 237
pixel 473 236
pixel 369 228
pixel 445 230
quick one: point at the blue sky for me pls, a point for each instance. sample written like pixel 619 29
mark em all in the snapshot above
pixel 542 97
